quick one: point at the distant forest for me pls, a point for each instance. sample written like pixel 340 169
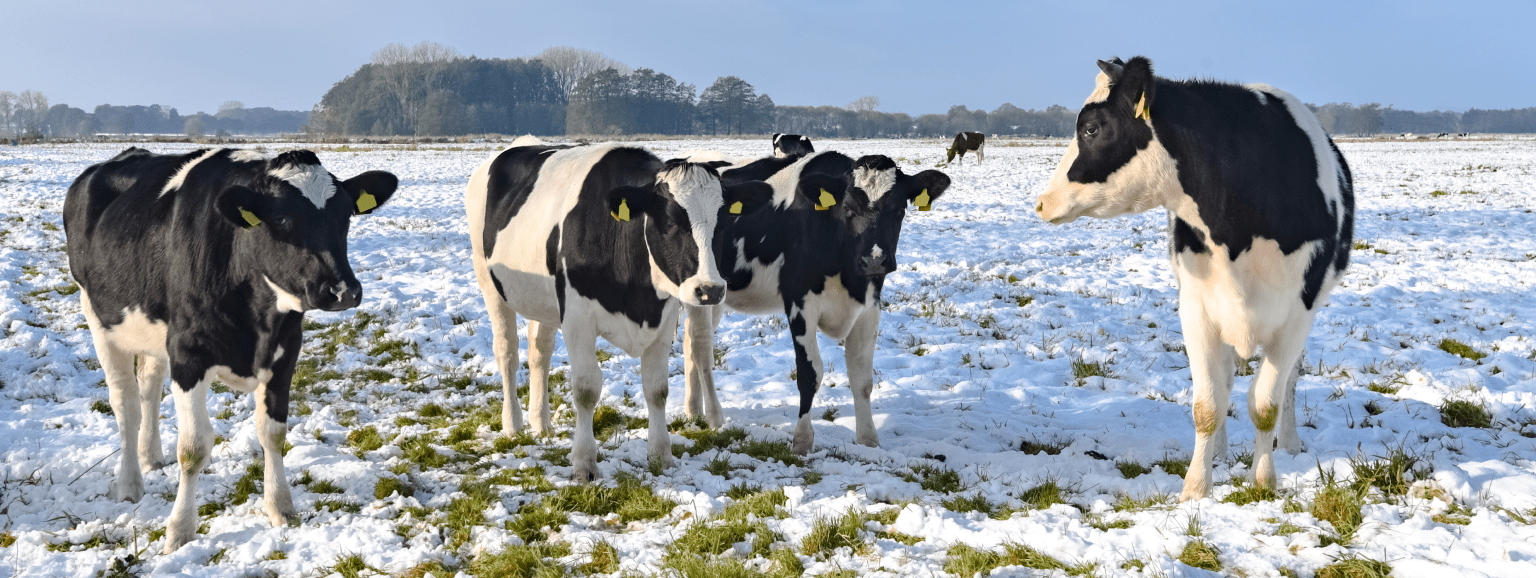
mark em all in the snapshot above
pixel 431 90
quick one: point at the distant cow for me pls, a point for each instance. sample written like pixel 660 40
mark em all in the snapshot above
pixel 818 254
pixel 202 265
pixel 965 142
pixel 598 241
pixel 791 145
pixel 1260 229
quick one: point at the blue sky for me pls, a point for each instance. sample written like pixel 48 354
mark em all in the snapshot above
pixel 918 56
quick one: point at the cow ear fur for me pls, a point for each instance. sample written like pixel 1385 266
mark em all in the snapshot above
pixel 627 203
pixel 243 207
pixel 819 189
pixel 931 181
pixel 751 195
pixel 1134 84
pixel 370 190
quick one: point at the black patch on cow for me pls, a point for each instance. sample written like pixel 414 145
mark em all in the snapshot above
pixel 507 186
pixel 966 142
pixel 552 250
pixel 607 260
pixel 1334 252
pixel 758 170
pixel 792 145
pixel 1187 238
pixel 497 283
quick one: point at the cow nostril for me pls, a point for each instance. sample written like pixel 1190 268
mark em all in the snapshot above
pixel 709 293
pixel 1040 207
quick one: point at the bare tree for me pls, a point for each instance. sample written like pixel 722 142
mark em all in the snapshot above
pixel 570 65
pixel 194 126
pixel 31 107
pixel 231 105
pixel 865 104
pixel 409 73
pixel 7 114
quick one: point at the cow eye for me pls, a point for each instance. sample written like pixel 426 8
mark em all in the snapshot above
pixel 283 222
pixel 1091 130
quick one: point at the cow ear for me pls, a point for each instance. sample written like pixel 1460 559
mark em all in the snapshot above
pixel 929 186
pixel 370 190
pixel 244 207
pixel 823 191
pixel 1133 90
pixel 1112 68
pixel 742 198
pixel 626 203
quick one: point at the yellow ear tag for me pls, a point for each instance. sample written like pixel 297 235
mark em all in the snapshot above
pixel 736 208
pixel 250 218
pixel 366 203
pixel 923 201
pixel 826 201
pixel 623 213
pixel 1141 108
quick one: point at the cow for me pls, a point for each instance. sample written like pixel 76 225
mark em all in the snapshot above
pixel 791 145
pixel 1261 215
pixel 818 254
pixel 968 141
pixel 602 240
pixel 199 267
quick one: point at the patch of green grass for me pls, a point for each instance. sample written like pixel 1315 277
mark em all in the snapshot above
pixel 351 566
pixel 1034 446
pixel 1392 473
pixel 387 486
pixel 831 414
pixel 1083 369
pixel 1352 567
pixel 1250 494
pixel 558 456
pixel 334 505
pixel 432 410
pixel 1023 300
pixel 812 478
pixel 1339 504
pixel 1202 555
pixel 972 503
pixel 967 561
pixel 277 555
pixel 829 534
pixel 464 513
pixel 1129 470
pixel 1460 349
pixel 419 450
pixel 1457 515
pixel 605 560
pixel 532 561
pixel 935 478
pixel 720 466
pixel 372 375
pixel 101 406
pixel 631 499
pixel 607 421
pixel 1462 413
pixel 707 439
pixel 325 487
pixel 1438 193
pixel 1045 495
pixel 7 540
pixel 1128 503
pixel 1176 466
pixel 770 450
pixel 396 349
pixel 249 483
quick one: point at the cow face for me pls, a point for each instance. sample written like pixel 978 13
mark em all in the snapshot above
pixel 681 212
pixel 1115 164
pixel 295 219
pixel 889 192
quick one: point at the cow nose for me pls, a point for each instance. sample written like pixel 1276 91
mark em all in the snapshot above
pixel 709 294
pixel 874 267
pixel 343 295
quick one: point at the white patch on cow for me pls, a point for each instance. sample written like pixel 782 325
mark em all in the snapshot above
pixel 1148 180
pixel 709 156
pixel 762 295
pixel 876 183
pixel 1100 89
pixel 286 302
pixel 249 155
pixel 787 180
pixel 313 181
pixel 698 192
pixel 181 174
pixel 527 140
pixel 1328 169
pixel 137 334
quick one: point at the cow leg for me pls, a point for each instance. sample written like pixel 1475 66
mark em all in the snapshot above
pixel 980 152
pixel 504 344
pixel 1210 363
pixel 1266 398
pixel 586 384
pixel 860 350
pixel 653 380
pixel 699 363
pixel 808 375
pixel 541 343
pixel 1290 439
pixel 152 373
pixel 194 447
pixel 272 429
pixel 123 395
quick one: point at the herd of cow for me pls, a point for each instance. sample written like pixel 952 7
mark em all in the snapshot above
pixel 200 266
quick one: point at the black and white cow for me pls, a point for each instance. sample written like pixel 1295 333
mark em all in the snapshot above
pixel 1261 215
pixel 791 145
pixel 595 241
pixel 818 254
pixel 965 142
pixel 201 266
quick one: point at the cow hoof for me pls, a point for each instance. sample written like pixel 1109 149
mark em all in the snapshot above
pixel 127 491
pixel 281 519
pixel 870 440
pixel 661 462
pixel 175 539
pixel 584 472
pixel 802 446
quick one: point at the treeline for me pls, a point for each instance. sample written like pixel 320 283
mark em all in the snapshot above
pixel 28 114
pixel 1368 119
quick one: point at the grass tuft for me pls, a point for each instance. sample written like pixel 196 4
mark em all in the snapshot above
pixel 967 561
pixel 1129 470
pixel 387 486
pixel 365 439
pixel 1460 349
pixel 1250 494
pixel 1202 555
pixel 520 562
pixel 1462 413
pixel 1044 495
pixel 769 450
pixel 1352 567
pixel 829 534
pixel 935 478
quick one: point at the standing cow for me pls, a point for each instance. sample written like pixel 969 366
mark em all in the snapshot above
pixel 202 265
pixel 965 142
pixel 1261 212
pixel 596 241
pixel 818 254
pixel 791 145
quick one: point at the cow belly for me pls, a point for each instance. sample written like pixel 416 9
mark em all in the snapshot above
pixel 762 295
pixel 1249 299
pixel 835 311
pixel 618 328
pixel 137 334
pixel 530 294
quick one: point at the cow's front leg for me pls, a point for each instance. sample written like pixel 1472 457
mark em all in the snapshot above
pixel 541 343
pixel 860 350
pixel 152 373
pixel 808 366
pixel 653 381
pixel 699 363
pixel 586 385
pixel 194 449
pixel 1210 363
pixel 272 429
pixel 1290 439
pixel 1266 399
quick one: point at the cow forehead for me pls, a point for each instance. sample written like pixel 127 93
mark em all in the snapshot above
pixel 875 182
pixel 1100 89
pixel 313 181
pixel 696 190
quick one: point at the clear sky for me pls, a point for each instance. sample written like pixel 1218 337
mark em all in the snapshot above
pixel 918 56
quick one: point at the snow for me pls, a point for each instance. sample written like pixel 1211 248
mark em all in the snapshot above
pixel 965 373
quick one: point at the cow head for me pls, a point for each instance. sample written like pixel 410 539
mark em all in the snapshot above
pixel 681 212
pixel 294 217
pixel 1115 164
pixel 889 191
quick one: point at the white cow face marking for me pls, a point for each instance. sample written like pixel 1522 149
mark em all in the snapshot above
pixel 697 198
pixel 313 181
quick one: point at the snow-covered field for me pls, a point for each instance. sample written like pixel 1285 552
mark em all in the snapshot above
pixel 1032 391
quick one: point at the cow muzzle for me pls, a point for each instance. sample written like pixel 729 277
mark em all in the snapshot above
pixel 339 296
pixel 708 293
pixel 875 267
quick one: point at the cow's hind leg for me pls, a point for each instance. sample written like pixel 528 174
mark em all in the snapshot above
pixel 860 349
pixel 152 373
pixel 123 395
pixel 699 363
pixel 980 152
pixel 1290 439
pixel 504 344
pixel 194 447
pixel 653 380
pixel 1266 398
pixel 541 343
pixel 586 385
pixel 807 375
pixel 1210 363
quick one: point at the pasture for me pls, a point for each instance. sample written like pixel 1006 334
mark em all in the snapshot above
pixel 1032 399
